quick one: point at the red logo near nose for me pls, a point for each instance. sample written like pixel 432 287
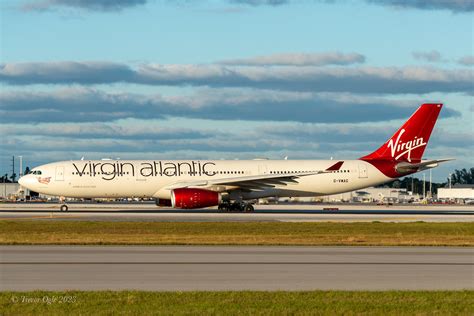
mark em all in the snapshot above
pixel 45 180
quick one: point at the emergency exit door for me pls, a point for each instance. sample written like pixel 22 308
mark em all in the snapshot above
pixel 59 173
pixel 363 171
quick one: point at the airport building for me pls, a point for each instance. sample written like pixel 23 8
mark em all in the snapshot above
pixel 15 192
pixel 457 192
pixel 9 190
pixel 367 195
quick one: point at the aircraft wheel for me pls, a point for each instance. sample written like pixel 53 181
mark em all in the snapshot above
pixel 249 208
pixel 224 207
pixel 64 208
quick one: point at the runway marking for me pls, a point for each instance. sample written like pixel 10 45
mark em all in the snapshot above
pixel 243 263
pixel 38 217
pixel 332 219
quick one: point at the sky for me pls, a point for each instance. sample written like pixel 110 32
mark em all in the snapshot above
pixel 231 79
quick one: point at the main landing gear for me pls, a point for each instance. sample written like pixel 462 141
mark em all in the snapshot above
pixel 236 207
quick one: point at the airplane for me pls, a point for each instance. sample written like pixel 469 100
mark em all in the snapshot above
pixel 231 184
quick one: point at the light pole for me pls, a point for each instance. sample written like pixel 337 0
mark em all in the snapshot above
pixel 430 186
pixel 424 183
pixel 449 180
pixel 21 166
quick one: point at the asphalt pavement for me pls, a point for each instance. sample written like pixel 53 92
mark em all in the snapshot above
pixel 281 213
pixel 235 268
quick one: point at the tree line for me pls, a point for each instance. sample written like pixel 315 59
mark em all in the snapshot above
pixel 12 178
pixel 459 176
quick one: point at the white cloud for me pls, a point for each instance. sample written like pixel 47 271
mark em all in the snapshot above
pixel 92 105
pixel 91 5
pixel 432 56
pixel 452 5
pixel 466 60
pixel 298 59
pixel 392 80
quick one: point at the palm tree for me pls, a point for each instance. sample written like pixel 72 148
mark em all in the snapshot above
pixel 463 176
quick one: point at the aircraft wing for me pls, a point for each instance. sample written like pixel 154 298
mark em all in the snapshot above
pixel 252 183
pixel 420 166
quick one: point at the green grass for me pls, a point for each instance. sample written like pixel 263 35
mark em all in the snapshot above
pixel 231 233
pixel 240 303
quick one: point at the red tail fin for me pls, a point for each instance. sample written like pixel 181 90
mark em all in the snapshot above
pixel 409 142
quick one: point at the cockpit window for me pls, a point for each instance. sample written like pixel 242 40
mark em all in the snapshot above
pixel 37 172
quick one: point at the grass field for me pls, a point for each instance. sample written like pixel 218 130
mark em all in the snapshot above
pixel 228 233
pixel 238 303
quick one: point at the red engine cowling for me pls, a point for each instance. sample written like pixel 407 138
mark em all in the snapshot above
pixel 194 198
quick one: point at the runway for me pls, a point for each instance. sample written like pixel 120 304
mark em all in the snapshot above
pixel 266 213
pixel 235 268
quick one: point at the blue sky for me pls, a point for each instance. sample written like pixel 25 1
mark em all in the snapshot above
pixel 231 79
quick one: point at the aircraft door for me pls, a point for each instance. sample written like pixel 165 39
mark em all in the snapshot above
pixel 59 173
pixel 363 171
pixel 262 169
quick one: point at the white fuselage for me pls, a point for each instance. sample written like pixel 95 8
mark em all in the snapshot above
pixel 150 178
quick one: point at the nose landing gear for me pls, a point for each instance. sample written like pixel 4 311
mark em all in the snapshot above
pixel 63 207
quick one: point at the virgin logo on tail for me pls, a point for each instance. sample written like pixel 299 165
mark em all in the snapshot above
pixel 399 148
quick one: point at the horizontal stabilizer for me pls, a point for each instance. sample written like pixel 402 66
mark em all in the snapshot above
pixel 406 167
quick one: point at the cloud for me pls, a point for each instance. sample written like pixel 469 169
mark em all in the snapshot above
pixel 142 131
pixel 394 80
pixel 298 59
pixel 90 5
pixel 91 105
pixel 466 60
pixel 65 72
pixel 372 136
pixel 235 145
pixel 457 6
pixel 432 56
pixel 290 136
pixel 452 5
pixel 260 2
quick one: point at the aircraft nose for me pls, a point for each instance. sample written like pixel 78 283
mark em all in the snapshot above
pixel 26 181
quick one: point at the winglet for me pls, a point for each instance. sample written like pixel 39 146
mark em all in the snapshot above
pixel 336 166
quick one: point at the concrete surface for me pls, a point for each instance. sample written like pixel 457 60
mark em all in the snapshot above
pixel 282 212
pixel 235 268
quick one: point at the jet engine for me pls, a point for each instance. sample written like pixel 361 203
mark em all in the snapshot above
pixel 188 198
